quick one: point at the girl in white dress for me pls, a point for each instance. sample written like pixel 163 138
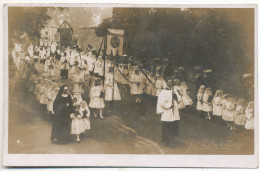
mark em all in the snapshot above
pixel 77 124
pixel 186 94
pixel 39 89
pixel 46 85
pixel 199 99
pixel 249 124
pixel 50 69
pixel 85 112
pixel 78 79
pixel 217 107
pixel 54 89
pixel 224 108
pixel 230 111
pixel 97 98
pixel 111 89
pixel 207 105
pixel 99 67
pixel 240 114
pixel 136 85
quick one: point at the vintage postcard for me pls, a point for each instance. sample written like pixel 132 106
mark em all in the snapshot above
pixel 130 85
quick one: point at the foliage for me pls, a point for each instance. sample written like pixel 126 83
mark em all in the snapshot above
pixel 26 21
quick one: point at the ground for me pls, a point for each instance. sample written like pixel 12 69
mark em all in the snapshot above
pixel 128 128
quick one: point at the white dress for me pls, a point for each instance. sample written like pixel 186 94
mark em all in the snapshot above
pixel 240 115
pixel 96 101
pixel 217 107
pixel 51 97
pixel 206 107
pixel 39 91
pixel 86 117
pixel 44 99
pixel 77 125
pixel 109 88
pixel 249 119
pixel 186 98
pixel 229 112
pixel 99 67
pixel 224 113
pixel 136 87
pixel 78 83
pixel 199 101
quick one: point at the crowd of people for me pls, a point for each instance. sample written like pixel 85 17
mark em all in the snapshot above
pixel 109 77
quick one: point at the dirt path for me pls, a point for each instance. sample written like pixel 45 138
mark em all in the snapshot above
pixel 128 129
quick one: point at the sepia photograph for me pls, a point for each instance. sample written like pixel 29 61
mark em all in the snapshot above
pixel 131 80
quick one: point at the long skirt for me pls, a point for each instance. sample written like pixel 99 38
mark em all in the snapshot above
pixel 217 110
pixel 169 131
pixel 87 123
pixel 136 89
pixel 50 106
pixel 97 103
pixel 240 119
pixel 61 125
pixel 109 91
pixel 77 126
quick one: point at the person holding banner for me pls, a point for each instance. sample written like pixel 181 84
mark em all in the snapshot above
pixel 168 109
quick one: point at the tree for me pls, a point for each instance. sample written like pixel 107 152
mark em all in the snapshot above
pixel 26 23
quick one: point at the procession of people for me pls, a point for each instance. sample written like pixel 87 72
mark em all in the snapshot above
pixel 110 78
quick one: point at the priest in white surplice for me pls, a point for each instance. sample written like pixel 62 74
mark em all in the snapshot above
pixel 167 107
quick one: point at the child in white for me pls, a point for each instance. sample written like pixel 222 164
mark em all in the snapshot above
pixel 136 87
pixel 250 116
pixel 240 114
pixel 230 110
pixel 199 99
pixel 224 108
pixel 185 97
pixel 39 89
pixel 97 98
pixel 217 106
pixel 111 88
pixel 54 89
pixel 78 79
pixel 84 110
pixel 206 99
pixel 99 66
pixel 46 86
pixel 77 124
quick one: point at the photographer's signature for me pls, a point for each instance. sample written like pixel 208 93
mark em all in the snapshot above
pixel 210 146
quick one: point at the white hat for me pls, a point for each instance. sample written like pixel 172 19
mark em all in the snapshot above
pixel 247 75
pixel 207 71
pixel 202 86
pixel 181 69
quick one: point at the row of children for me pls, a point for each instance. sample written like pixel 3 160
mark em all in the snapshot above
pixel 236 113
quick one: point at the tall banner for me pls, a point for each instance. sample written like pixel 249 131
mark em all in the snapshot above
pixel 65 37
pixel 115 41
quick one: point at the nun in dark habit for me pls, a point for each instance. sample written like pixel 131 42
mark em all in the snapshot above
pixel 62 108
